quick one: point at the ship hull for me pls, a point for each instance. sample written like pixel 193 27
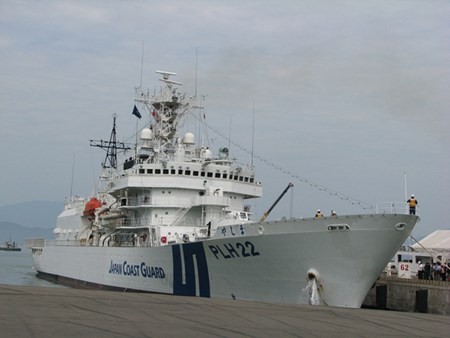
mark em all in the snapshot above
pixel 331 261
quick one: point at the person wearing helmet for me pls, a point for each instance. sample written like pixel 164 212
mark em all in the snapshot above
pixel 319 214
pixel 412 205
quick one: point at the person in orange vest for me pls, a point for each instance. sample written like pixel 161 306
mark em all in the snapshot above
pixel 412 205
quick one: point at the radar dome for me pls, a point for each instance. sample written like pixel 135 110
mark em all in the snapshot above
pixel 146 134
pixel 207 154
pixel 189 138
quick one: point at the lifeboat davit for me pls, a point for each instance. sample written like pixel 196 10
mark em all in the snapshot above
pixel 90 207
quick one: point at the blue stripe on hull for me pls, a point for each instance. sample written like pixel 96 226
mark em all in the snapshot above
pixel 191 251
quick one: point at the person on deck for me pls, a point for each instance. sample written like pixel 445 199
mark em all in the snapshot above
pixel 443 272
pixel 412 205
pixel 427 271
pixel 319 214
pixel 420 271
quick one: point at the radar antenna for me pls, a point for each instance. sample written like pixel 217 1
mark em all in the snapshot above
pixel 165 77
pixel 111 147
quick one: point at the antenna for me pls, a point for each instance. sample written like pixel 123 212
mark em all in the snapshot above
pixel 196 68
pixel 406 186
pixel 229 135
pixel 406 191
pixel 165 77
pixel 73 170
pixel 253 134
pixel 142 65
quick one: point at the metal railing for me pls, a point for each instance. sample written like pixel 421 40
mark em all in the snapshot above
pixel 394 208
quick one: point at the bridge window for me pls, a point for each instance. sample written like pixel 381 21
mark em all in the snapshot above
pixel 217 175
pixel 166 171
pixel 195 173
pixel 187 172
pixel 209 174
pixel 173 171
pixel 157 171
pixel 149 171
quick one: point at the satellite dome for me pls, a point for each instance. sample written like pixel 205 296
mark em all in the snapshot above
pixel 146 134
pixel 207 153
pixel 189 138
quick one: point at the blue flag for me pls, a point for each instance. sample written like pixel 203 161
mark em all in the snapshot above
pixel 136 112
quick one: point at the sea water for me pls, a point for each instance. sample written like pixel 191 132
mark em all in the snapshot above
pixel 16 268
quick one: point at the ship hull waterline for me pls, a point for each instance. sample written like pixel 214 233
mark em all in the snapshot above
pixel 272 262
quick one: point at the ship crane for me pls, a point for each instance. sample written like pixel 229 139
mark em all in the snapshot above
pixel 290 185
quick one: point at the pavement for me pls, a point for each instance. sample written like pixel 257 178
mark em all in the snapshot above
pixel 30 311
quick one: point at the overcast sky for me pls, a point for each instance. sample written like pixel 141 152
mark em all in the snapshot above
pixel 346 94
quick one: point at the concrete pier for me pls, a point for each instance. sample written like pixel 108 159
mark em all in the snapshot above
pixel 64 312
pixel 412 295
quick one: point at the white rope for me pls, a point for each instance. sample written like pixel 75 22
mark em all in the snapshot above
pixel 331 192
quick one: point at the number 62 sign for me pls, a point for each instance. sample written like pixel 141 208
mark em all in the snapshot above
pixel 404 270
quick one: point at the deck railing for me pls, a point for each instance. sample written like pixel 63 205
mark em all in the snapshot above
pixel 394 208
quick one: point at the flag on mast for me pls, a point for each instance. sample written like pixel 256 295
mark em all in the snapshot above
pixel 136 112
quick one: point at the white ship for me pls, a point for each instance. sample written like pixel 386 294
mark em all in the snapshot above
pixel 172 218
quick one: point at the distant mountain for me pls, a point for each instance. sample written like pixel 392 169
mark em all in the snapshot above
pixel 35 214
pixel 17 233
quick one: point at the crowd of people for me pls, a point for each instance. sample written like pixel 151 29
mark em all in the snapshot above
pixel 435 271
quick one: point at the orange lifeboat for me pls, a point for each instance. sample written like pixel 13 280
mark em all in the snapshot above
pixel 90 207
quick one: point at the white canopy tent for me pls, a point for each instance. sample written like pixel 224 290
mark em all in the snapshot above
pixel 438 241
pixel 437 244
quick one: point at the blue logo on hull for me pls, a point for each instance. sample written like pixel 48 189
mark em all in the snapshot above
pixel 190 251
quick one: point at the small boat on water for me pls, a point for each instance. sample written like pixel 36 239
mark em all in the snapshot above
pixel 172 217
pixel 10 246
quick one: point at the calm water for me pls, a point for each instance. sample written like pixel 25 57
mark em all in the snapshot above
pixel 16 268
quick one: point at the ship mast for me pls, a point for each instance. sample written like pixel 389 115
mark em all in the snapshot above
pixel 111 147
pixel 167 110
